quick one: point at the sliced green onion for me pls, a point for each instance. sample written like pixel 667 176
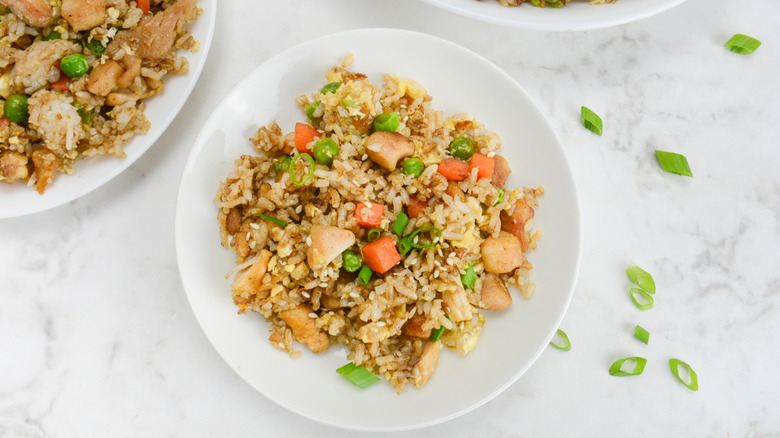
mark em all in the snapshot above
pixel 365 275
pixel 642 334
pixel 642 299
pixel 436 334
pixel 500 197
pixel 404 246
pixel 742 44
pixel 617 369
pixel 434 240
pixel 400 224
pixel 693 381
pixel 674 163
pixel 358 375
pixel 591 120
pixel 308 174
pixel 374 234
pixel 279 222
pixel 563 342
pixel 641 278
pixel 282 164
pixel 469 279
pixel 84 113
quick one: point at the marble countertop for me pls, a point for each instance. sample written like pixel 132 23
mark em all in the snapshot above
pixel 97 337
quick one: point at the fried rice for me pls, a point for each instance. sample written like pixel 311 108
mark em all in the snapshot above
pixel 126 48
pixel 292 261
pixel 548 3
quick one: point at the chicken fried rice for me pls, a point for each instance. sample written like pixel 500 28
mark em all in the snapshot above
pixel 74 75
pixel 378 224
pixel 548 3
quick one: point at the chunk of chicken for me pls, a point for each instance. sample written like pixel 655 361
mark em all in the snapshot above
pixel 494 295
pixel 46 166
pixel 327 243
pixel 13 166
pixel 304 328
pixel 155 38
pixel 111 75
pixel 386 148
pixel 57 121
pixel 84 14
pixel 233 221
pixel 414 327
pixel 247 282
pixel 501 171
pixel 36 13
pixel 457 303
pixel 514 222
pixel 426 366
pixel 39 64
pixel 502 254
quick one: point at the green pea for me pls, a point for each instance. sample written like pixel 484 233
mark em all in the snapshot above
pixel 311 108
pixel 96 47
pixel 413 166
pixel 75 65
pixel 387 122
pixel 15 109
pixel 85 114
pixel 282 164
pixel 330 88
pixel 53 35
pixel 462 148
pixel 351 262
pixel 324 151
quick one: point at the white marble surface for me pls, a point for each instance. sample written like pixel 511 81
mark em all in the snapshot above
pixel 97 338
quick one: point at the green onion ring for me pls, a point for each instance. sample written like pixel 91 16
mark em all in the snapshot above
pixel 742 44
pixel 591 120
pixel 436 334
pixel 279 222
pixel 400 224
pixel 433 242
pixel 639 365
pixel 358 375
pixel 637 293
pixel 675 364
pixel 404 246
pixel 563 346
pixel 641 278
pixel 365 275
pixel 374 234
pixel 308 174
pixel 469 279
pixel 673 163
pixel 642 334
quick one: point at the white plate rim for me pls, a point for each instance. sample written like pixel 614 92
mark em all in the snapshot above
pixel 68 188
pixel 181 217
pixel 490 11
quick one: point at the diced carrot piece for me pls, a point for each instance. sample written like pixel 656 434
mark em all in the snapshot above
pixel 61 84
pixel 381 255
pixel 416 207
pixel 483 164
pixel 454 170
pixel 304 135
pixel 369 214
pixel 144 6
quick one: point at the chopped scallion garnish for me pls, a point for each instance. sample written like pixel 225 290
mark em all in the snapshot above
pixel 279 222
pixel 365 275
pixel 435 236
pixel 617 368
pixel 374 234
pixel 404 246
pixel 641 278
pixel 691 382
pixel 561 341
pixel 742 44
pixel 436 334
pixel 642 334
pixel 642 299
pixel 400 224
pixel 674 163
pixel 591 120
pixel 500 197
pixel 469 279
pixel 358 375
pixel 308 174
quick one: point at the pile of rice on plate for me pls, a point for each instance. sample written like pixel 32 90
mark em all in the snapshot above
pixel 548 3
pixel 54 114
pixel 421 284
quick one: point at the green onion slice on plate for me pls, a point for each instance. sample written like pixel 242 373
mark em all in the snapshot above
pixel 309 173
pixel 642 334
pixel 691 382
pixel 629 366
pixel 561 341
pixel 358 375
pixel 642 299
pixel 591 120
pixel 641 278
pixel 673 163
pixel 742 44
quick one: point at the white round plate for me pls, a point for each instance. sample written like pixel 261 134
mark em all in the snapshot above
pixel 309 385
pixel 577 15
pixel 91 173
